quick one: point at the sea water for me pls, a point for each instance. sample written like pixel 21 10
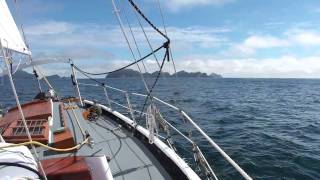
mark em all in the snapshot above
pixel 270 127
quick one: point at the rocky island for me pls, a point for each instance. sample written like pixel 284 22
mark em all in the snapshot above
pixel 130 73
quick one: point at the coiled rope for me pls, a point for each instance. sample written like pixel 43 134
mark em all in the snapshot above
pixel 78 146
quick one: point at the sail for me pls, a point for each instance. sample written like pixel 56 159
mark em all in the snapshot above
pixel 9 34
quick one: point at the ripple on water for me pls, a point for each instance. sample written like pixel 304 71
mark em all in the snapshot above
pixel 269 126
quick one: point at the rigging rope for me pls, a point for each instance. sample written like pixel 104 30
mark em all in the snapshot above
pixel 146 37
pixel 124 67
pixel 134 39
pixel 166 56
pixel 116 11
pixel 147 20
pixel 165 45
pixel 171 56
pixel 20 109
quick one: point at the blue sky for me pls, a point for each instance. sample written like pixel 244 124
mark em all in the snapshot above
pixel 236 38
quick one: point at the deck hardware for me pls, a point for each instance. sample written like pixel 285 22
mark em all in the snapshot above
pixel 107 96
pixel 117 128
pixel 202 163
pixel 130 107
pixel 90 139
pixel 76 82
pixel 151 122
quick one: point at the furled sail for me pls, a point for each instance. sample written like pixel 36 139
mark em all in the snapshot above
pixel 9 34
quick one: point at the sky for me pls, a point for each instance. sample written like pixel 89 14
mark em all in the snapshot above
pixel 234 38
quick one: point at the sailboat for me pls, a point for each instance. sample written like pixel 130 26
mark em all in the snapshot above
pixel 54 137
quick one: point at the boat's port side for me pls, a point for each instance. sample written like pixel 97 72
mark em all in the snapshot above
pixel 173 163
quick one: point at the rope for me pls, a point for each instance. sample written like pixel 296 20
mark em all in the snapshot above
pixel 128 43
pixel 166 56
pixel 78 146
pixel 89 77
pixel 136 45
pixel 20 109
pixel 162 17
pixel 37 78
pixel 171 56
pixel 146 37
pixel 77 120
pixel 124 67
pixel 147 20
pixel 17 68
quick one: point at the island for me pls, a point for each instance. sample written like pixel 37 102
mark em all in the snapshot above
pixel 130 73
pixel 23 75
pixel 125 73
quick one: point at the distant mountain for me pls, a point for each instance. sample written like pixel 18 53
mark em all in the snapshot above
pixel 130 73
pixel 214 75
pixel 22 75
pixel 191 74
pixel 125 73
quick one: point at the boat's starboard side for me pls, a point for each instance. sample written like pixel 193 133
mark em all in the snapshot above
pixel 171 161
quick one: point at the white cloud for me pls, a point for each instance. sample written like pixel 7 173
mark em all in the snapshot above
pixel 281 67
pixel 52 35
pixel 290 38
pixel 176 5
pixel 49 27
pixel 304 37
pixel 255 42
pixel 84 41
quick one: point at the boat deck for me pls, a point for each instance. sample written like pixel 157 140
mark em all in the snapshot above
pixel 129 158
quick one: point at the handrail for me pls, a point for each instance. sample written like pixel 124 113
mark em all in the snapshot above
pixel 163 102
pixel 212 143
pixel 225 155
pixel 127 107
pixel 85 84
pixel 206 162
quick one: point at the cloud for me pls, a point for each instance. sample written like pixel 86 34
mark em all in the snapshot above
pixel 251 44
pixel 281 67
pixel 29 9
pixel 49 27
pixel 290 38
pixel 257 42
pixel 61 36
pixel 176 5
pixel 85 41
pixel 304 37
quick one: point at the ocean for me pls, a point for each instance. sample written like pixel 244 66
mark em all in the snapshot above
pixel 270 127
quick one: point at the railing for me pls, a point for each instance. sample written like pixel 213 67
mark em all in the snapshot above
pixel 198 155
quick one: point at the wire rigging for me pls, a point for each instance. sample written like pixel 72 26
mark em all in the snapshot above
pixel 166 56
pixel 124 67
pixel 147 20
pixel 166 46
pixel 145 36
pixel 132 34
pixel 116 11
